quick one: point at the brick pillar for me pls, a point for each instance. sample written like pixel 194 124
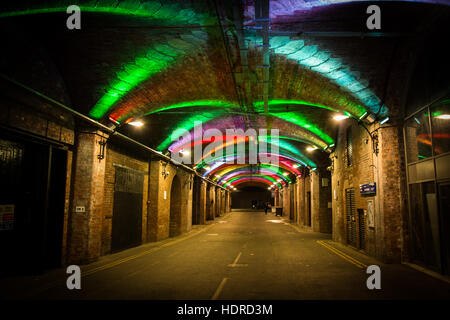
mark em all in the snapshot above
pixel 218 200
pixel 187 180
pixel 320 196
pixel 214 198
pixel 158 221
pixel 202 202
pixel 84 245
pixel 391 194
pixel 286 201
pixel 227 201
pixel 337 195
pixel 301 200
pixel 223 208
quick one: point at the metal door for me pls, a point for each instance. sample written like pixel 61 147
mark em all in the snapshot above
pixel 350 216
pixel 127 212
pixel 362 229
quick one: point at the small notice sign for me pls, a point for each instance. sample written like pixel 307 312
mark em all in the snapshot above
pixel 6 216
pixel 368 188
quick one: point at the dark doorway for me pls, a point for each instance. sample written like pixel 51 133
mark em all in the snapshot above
pixel 175 208
pixel 55 212
pixel 425 225
pixel 32 197
pixel 444 209
pixel 127 212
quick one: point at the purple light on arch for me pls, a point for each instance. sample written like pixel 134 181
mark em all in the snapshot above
pixel 288 7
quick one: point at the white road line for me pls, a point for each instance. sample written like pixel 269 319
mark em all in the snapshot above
pixel 219 289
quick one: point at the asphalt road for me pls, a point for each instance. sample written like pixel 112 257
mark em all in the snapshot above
pixel 245 255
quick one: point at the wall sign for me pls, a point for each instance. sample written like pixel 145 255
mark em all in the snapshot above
pixel 7 217
pixel 368 188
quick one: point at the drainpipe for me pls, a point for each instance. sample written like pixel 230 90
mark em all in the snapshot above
pixel 107 129
pixel 262 20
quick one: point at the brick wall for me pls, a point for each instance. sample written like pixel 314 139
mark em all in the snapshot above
pixel 84 237
pixel 320 196
pixel 66 208
pixel 385 239
pixel 345 176
pixel 158 222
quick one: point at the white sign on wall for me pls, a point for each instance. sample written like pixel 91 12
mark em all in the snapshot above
pixel 370 214
pixel 165 195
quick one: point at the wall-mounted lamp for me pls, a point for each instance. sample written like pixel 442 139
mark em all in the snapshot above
pixel 340 117
pixel 165 172
pixel 384 120
pixel 101 152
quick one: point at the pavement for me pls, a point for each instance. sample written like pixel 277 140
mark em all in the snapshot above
pixel 244 255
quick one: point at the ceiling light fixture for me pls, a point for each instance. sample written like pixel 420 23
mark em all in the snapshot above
pixel 384 120
pixel 340 117
pixel 136 123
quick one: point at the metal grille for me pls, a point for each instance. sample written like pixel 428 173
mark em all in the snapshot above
pixel 362 229
pixel 127 211
pixel 128 180
pixel 350 215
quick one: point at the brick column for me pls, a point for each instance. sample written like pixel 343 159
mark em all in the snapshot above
pixel 301 201
pixel 84 244
pixel 202 202
pixel 320 196
pixel 392 194
pixel 159 196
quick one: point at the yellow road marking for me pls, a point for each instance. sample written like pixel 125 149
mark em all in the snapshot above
pixel 237 258
pixel 357 263
pixel 235 264
pixel 135 256
pixel 336 251
pixel 219 289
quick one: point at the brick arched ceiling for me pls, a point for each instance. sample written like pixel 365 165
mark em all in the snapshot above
pixel 183 67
